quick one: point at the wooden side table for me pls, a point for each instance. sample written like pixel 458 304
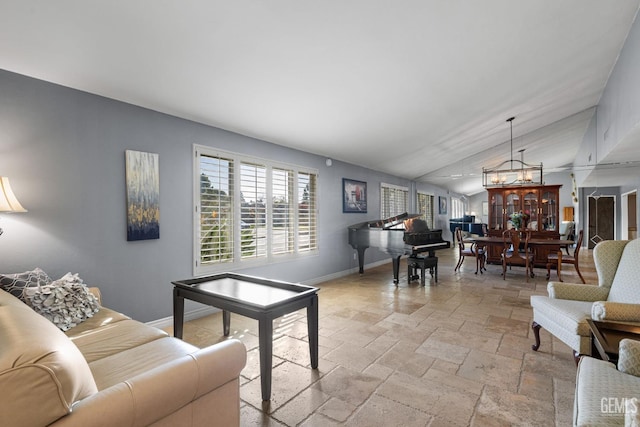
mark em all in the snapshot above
pixel 606 337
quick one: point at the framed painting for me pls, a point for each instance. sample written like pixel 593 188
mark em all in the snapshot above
pixel 143 195
pixel 354 196
pixel 442 206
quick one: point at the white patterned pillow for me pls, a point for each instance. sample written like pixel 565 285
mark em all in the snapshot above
pixel 16 283
pixel 629 357
pixel 66 302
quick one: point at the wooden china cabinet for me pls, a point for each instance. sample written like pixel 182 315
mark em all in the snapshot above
pixel 539 202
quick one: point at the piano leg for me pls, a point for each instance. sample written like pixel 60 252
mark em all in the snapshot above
pixel 361 259
pixel 396 268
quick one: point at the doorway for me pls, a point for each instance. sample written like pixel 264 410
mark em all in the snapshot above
pixel 629 218
pixel 602 214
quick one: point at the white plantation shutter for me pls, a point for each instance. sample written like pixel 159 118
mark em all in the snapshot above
pixel 394 200
pixel 253 210
pixel 283 217
pixel 425 208
pixel 307 208
pixel 457 208
pixel 215 227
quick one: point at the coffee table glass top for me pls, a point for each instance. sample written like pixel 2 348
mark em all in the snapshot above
pixel 247 289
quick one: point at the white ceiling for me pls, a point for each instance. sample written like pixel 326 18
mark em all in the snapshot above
pixel 419 89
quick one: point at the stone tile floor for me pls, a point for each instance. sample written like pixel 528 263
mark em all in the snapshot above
pixel 455 353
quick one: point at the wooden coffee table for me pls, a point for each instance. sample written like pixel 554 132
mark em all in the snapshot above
pixel 606 337
pixel 254 297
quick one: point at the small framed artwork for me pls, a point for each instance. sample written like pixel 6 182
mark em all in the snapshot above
pixel 354 196
pixel 143 195
pixel 442 206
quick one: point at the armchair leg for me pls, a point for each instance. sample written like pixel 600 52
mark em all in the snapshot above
pixel 576 357
pixel 536 334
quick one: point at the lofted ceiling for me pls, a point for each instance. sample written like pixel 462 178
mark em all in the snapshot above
pixel 419 89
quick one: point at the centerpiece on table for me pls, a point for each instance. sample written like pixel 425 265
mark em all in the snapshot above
pixel 519 220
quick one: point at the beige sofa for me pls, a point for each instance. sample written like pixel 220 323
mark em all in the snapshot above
pixel 111 371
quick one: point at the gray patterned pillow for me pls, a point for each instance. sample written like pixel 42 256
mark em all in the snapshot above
pixel 16 283
pixel 66 302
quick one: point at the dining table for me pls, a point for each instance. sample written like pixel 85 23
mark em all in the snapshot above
pixel 482 241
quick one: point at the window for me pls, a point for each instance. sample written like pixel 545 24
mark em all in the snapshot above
pixel 393 200
pixel 425 208
pixel 457 208
pixel 251 210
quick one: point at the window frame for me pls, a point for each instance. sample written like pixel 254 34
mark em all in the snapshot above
pixel 238 260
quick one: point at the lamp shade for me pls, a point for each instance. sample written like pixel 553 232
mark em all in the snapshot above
pixel 8 200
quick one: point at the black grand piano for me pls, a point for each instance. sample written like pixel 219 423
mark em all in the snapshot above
pixel 399 235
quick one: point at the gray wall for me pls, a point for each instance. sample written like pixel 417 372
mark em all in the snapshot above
pixel 64 153
pixel 616 120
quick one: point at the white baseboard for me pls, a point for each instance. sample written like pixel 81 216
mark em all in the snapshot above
pixel 166 322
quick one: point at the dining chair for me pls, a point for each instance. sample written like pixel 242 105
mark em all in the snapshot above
pixel 472 251
pixel 558 259
pixel 567 232
pixel 516 254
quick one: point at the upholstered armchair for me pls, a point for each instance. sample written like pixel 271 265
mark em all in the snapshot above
pixel 606 396
pixel 565 310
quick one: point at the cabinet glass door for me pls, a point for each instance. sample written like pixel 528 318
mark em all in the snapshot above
pixel 512 205
pixel 495 216
pixel 549 209
pixel 530 207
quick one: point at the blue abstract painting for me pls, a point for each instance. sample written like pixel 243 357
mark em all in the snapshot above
pixel 143 195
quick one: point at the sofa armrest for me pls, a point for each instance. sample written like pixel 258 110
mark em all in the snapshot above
pixel 629 357
pixel 577 292
pixel 615 311
pixel 158 393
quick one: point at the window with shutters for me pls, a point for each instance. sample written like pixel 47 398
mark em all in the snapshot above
pixel 425 208
pixel 457 208
pixel 394 200
pixel 251 210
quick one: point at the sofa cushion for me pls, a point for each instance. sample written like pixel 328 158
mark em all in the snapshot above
pixel 569 314
pixel 40 368
pixel 126 364
pixel 104 317
pixel 15 283
pixel 625 286
pixel 115 338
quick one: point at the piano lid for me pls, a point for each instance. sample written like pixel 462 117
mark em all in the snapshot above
pixel 385 223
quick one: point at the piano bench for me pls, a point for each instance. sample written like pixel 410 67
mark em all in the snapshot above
pixel 415 262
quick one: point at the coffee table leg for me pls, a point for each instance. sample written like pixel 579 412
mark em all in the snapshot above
pixel 312 327
pixel 178 313
pixel 226 322
pixel 265 339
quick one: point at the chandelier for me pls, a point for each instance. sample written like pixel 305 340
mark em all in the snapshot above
pixel 512 172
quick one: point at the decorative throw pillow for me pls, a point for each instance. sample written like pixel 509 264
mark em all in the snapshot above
pixel 66 302
pixel 16 283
